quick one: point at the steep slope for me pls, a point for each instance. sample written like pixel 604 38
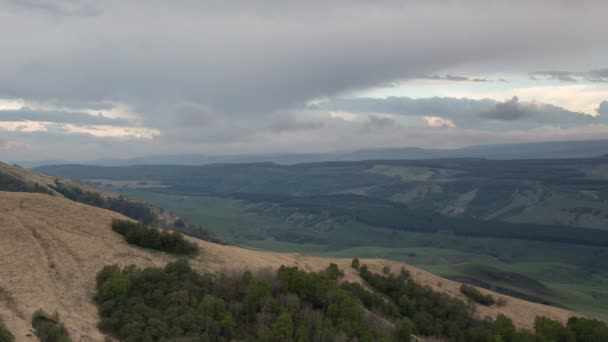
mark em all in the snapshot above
pixel 51 249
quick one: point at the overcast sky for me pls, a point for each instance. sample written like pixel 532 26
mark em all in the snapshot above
pixel 98 79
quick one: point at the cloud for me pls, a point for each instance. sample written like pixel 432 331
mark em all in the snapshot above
pixel 596 75
pixel 484 114
pixel 508 110
pixel 229 75
pixel 457 78
pixel 27 114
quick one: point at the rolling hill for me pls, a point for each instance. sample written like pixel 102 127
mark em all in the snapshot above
pixel 52 248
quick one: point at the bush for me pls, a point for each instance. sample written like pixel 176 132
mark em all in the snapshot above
pixel 49 328
pixel 142 235
pixel 5 334
pixel 475 295
pixel 355 264
pixel 588 330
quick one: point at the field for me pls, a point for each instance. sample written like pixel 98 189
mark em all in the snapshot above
pixel 566 275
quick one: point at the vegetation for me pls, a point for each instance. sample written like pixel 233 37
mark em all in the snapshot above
pixel 49 328
pixel 475 295
pixel 5 334
pixel 176 303
pixel 135 210
pixel 14 184
pixel 142 235
pixel 413 211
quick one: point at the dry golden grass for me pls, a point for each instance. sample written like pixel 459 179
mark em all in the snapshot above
pixel 52 248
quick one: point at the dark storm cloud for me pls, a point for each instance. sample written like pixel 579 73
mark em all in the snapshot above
pixel 596 75
pixel 26 114
pixel 219 72
pixel 508 110
pixel 603 109
pixel 245 59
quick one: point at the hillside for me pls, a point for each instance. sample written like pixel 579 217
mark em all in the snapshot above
pixel 570 192
pixel 539 225
pixel 17 179
pixel 52 248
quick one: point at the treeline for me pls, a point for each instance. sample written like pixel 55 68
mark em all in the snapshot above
pixel 142 235
pixel 135 210
pixel 14 184
pixel 437 314
pixel 387 214
pixel 49 328
pixel 5 334
pixel 176 303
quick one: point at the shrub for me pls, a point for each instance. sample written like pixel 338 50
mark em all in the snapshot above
pixel 475 295
pixel 49 328
pixel 142 235
pixel 588 330
pixel 5 334
pixel 355 264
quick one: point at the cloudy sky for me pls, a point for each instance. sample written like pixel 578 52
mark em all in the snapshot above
pixel 96 79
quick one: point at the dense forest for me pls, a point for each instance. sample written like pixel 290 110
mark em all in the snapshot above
pixel 290 304
pixel 142 235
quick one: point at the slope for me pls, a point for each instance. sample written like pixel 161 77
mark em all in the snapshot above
pixel 51 249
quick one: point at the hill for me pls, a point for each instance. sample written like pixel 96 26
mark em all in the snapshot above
pixel 537 150
pixel 52 249
pixel 17 179
pixel 544 220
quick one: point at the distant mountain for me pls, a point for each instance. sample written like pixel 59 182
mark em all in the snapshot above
pixel 540 150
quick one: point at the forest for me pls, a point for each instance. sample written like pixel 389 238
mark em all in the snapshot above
pixel 290 304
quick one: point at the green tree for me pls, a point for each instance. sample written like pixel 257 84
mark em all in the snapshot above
pixel 282 328
pixel 116 287
pixel 588 330
pixel 548 330
pixel 355 264
pixel 505 328
pixel 404 328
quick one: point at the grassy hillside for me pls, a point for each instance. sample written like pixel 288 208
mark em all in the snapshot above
pixel 16 179
pixel 54 249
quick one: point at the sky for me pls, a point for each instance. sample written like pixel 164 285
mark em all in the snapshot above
pixel 84 79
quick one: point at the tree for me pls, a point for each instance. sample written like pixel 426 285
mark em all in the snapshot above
pixel 505 328
pixel 116 287
pixel 355 264
pixel 404 329
pixel 548 330
pixel 282 327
